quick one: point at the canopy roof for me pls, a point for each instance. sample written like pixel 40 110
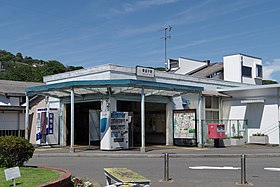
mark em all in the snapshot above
pixel 117 86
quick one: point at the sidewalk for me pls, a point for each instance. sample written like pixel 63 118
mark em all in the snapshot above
pixel 158 151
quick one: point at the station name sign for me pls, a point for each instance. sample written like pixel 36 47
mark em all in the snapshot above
pixel 145 72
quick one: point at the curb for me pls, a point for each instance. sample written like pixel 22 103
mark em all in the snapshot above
pixel 160 155
pixel 63 181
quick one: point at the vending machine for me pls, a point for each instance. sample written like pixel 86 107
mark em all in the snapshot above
pixel 114 130
pixel 46 126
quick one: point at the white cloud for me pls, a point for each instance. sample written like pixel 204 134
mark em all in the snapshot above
pixel 270 69
pixel 135 6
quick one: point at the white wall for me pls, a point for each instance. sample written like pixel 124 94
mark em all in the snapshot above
pixel 232 68
pixel 188 65
pixel 262 117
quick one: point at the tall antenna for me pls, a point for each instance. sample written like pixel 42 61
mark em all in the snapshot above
pixel 166 36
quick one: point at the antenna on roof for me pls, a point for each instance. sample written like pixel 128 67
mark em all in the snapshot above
pixel 165 37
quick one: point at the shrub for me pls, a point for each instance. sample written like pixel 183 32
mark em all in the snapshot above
pixel 14 151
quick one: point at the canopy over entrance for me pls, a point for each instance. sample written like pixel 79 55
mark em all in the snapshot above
pixel 109 87
pixel 105 87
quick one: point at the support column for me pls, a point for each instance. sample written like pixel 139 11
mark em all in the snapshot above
pixel 72 121
pixel 60 124
pixel 200 128
pixel 278 105
pixel 169 123
pixel 143 148
pixel 26 126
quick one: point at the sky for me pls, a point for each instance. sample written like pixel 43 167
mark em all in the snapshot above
pixel 129 32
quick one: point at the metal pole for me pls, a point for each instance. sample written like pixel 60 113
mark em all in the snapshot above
pixel 166 167
pixel 200 127
pixel 72 121
pixel 243 169
pixel 26 117
pixel 165 38
pixel 279 132
pixel 89 134
pixel 142 149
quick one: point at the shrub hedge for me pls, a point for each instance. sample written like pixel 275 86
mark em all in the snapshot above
pixel 14 151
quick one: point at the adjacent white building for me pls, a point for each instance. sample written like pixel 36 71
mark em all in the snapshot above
pixel 243 68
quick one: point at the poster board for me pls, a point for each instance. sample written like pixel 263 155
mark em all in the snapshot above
pixel 185 127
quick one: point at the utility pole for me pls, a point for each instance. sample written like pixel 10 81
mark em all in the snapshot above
pixel 166 36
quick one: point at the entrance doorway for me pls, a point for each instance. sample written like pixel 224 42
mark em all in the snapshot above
pixel 81 121
pixel 155 122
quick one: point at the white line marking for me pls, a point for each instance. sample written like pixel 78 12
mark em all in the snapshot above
pixel 215 167
pixel 272 169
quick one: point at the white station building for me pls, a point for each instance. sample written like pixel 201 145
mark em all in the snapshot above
pixel 168 108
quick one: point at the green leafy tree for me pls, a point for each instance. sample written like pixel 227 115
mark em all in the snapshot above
pixel 52 67
pixel 264 82
pixel 6 56
pixel 72 68
pixel 28 69
pixel 19 57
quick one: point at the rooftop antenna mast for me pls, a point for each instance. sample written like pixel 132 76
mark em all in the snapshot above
pixel 166 36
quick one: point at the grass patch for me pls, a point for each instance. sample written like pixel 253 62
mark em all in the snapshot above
pixel 30 177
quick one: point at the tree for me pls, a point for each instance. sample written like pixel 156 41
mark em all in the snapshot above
pixel 72 68
pixel 6 56
pixel 28 69
pixel 265 82
pixel 52 67
pixel 19 57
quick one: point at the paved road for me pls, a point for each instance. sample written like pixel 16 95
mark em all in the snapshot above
pixel 91 163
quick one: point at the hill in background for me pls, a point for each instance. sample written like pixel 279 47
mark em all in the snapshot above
pixel 19 68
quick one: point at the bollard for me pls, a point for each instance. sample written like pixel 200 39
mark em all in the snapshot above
pixel 243 169
pixel 166 167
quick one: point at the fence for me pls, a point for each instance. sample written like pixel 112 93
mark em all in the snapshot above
pixel 12 133
pixel 233 129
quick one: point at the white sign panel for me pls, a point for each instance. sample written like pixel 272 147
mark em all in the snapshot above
pixel 12 173
pixel 145 72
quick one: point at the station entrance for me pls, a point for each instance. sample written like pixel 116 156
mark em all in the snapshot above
pixel 81 120
pixel 155 122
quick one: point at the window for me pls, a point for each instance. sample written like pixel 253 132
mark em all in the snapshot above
pixel 211 102
pixel 246 71
pixel 212 107
pixel 259 71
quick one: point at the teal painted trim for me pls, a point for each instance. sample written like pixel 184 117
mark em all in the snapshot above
pixel 115 83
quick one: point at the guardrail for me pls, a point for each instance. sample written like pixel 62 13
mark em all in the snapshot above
pixel 243 171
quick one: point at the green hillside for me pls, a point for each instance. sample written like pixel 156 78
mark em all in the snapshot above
pixel 19 68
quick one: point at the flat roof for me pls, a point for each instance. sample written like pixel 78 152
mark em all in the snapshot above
pixel 116 86
pixel 243 55
pixel 252 87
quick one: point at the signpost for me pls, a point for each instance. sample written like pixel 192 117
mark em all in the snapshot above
pixel 11 174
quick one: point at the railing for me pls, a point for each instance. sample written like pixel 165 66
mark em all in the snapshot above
pixel 233 129
pixel 12 133
pixel 242 168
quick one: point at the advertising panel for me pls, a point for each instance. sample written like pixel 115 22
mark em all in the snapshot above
pixel 184 123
